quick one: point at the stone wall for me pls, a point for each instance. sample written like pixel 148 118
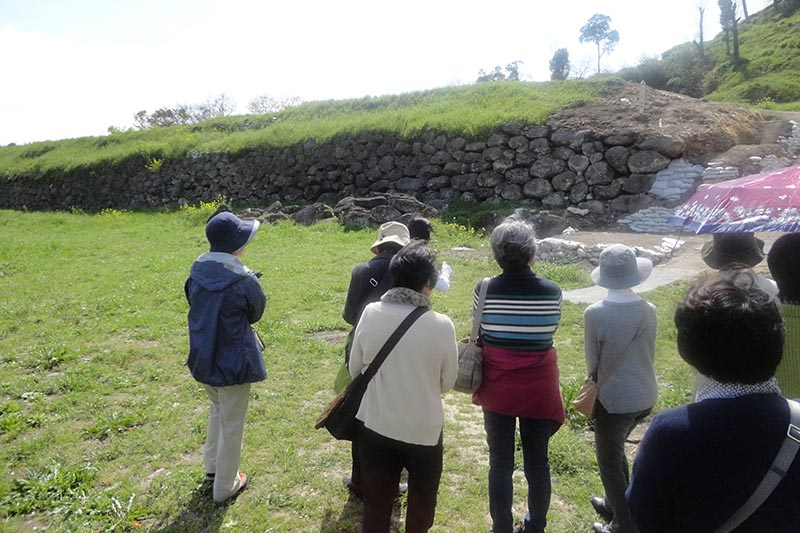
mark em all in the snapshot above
pixel 528 164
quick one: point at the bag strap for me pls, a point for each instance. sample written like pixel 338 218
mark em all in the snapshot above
pixel 476 318
pixel 390 343
pixel 620 358
pixel 777 471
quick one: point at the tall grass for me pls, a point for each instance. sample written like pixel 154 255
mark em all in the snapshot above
pixel 469 111
pixel 101 425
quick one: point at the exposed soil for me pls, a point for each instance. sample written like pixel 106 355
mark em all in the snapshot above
pixel 709 129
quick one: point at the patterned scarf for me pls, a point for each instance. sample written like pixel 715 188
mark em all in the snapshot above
pixel 405 296
pixel 712 389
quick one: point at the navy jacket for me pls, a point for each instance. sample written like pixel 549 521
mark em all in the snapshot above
pixel 224 299
pixel 699 463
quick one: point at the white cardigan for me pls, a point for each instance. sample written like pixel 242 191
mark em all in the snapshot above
pixel 403 401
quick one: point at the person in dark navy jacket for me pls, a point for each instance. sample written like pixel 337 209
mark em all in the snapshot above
pixel 225 353
pixel 698 464
pixel 368 282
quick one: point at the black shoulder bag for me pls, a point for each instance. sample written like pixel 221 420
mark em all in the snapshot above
pixel 339 418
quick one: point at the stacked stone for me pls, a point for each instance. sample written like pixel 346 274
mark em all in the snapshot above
pixel 770 162
pixel 651 220
pixel 717 171
pixel 674 181
pixel 532 165
pixel 793 141
pixel 562 252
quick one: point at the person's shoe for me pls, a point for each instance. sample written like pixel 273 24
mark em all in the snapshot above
pixel 601 508
pixel 597 527
pixel 242 485
pixel 354 489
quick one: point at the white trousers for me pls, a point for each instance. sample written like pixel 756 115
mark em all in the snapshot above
pixel 223 447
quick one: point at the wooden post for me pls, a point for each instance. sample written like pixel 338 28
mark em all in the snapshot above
pixel 642 89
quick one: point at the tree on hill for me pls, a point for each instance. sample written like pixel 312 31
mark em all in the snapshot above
pixel 599 32
pixel 511 73
pixel 727 19
pixel 182 114
pixel 701 45
pixel 264 103
pixel 559 65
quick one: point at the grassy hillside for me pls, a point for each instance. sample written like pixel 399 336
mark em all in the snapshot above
pixel 470 111
pixel 768 74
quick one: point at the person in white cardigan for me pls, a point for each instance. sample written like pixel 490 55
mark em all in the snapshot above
pixel 401 410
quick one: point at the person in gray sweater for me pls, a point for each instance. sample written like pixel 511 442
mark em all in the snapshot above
pixel 619 345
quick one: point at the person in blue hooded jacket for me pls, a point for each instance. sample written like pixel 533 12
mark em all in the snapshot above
pixel 225 354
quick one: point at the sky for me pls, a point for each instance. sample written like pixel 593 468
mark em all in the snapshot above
pixel 72 68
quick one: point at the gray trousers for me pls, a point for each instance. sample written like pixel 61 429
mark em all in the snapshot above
pixel 610 433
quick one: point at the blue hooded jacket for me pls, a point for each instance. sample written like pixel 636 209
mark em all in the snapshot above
pixel 224 299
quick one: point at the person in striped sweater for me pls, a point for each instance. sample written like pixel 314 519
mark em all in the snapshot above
pixel 520 375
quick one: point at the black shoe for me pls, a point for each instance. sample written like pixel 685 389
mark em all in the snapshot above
pixel 597 527
pixel 602 509
pixel 354 489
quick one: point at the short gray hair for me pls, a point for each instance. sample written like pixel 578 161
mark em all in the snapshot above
pixel 513 243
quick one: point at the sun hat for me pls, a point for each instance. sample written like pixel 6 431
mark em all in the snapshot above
pixel 228 233
pixel 620 268
pixel 726 249
pixel 395 232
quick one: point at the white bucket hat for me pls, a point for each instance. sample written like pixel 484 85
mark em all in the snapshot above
pixel 392 231
pixel 620 268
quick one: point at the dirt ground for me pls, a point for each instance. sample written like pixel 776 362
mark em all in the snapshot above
pixel 712 131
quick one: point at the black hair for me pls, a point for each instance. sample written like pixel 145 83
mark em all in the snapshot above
pixel 419 228
pixel 729 329
pixel 783 261
pixel 221 208
pixel 413 267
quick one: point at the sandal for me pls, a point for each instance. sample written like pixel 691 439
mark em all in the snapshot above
pixel 242 483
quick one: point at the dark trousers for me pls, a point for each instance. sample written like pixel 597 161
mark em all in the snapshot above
pixel 382 460
pixel 610 433
pixel 500 435
pixel 355 474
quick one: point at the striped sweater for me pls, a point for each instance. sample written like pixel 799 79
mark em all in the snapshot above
pixel 521 312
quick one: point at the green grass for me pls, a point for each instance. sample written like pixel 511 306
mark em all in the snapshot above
pixel 470 111
pixel 101 425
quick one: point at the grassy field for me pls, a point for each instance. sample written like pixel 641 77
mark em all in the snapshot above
pixel 101 425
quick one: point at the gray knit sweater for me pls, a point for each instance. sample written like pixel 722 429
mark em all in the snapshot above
pixel 609 328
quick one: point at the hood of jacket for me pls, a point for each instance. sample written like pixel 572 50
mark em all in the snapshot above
pixel 216 271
